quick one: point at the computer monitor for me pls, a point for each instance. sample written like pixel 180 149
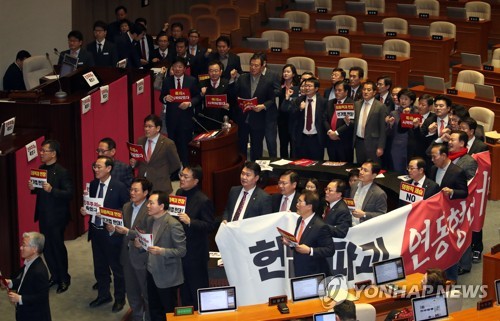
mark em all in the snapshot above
pixel 419 31
pixel 389 271
pixel 373 28
pixel 355 7
pixel 497 290
pixel 429 308
pixel 314 45
pixel 326 25
pixel 370 50
pixel 279 23
pixel 456 13
pixel 471 60
pixel 406 9
pixel 325 316
pixel 306 287
pixel 485 92
pixel 219 299
pixel 434 83
pixel 258 43
pixel 68 65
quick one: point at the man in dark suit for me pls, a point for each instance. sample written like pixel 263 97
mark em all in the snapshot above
pixel 369 125
pixel 336 215
pixel 307 113
pixel 52 213
pixel 30 289
pixel 434 128
pixel 121 171
pixel 114 27
pixel 356 75
pixel 253 122
pixel 474 144
pixel 247 200
pixel 199 53
pixel 457 152
pixel 179 114
pixel 192 65
pixel 106 247
pixel 425 102
pixel 127 46
pixel 340 134
pixel 198 222
pixel 229 60
pixel 75 41
pixel 104 52
pixel 416 171
pixel 450 177
pixel 338 74
pixel 162 54
pixel 315 245
pixel 161 155
pixel 13 78
pixel 384 84
pixel 133 260
pixel 369 199
pixel 286 200
pixel 164 264
pixel 146 44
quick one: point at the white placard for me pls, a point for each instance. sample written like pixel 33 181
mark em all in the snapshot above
pixel 31 151
pixel 104 93
pixel 8 126
pixel 145 239
pixel 91 205
pixel 86 103
pixel 91 79
pixel 140 86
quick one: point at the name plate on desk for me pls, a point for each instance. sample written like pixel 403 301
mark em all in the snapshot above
pixel 372 12
pixel 488 68
pixel 452 91
pixel 333 52
pixel 437 37
pixel 474 19
pixel 390 57
pixel 297 29
pixel 481 305
pixel 423 15
pixel 343 31
pixel 321 10
pixel 276 49
pixel 275 300
pixel 391 34
pixel 178 311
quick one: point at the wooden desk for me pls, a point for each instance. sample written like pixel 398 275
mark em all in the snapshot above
pixel 422 49
pixel 491 272
pixel 490 314
pixel 491 78
pixel 303 309
pixel 495 172
pixel 472 37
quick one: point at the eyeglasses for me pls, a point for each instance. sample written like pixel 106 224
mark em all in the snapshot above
pixel 282 183
pixel 411 168
pixel 185 176
pixel 101 151
pixel 45 151
pixel 95 166
pixel 329 190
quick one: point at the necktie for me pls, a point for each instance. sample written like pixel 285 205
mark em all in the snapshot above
pixel 284 205
pixel 100 194
pixel 240 207
pixel 327 209
pixel 22 278
pixel 333 123
pixel 415 183
pixel 143 49
pixel 162 55
pixel 150 149
pixel 441 128
pixel 99 49
pixel 363 119
pixel 214 84
pixel 179 83
pixel 353 93
pixel 309 115
pixel 301 230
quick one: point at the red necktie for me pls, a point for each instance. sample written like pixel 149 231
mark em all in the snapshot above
pixel 301 230
pixel 441 128
pixel 179 83
pixel 150 149
pixel 309 115
pixel 240 207
pixel 333 123
pixel 325 214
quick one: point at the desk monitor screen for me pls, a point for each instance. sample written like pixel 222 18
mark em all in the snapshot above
pixel 314 45
pixel 355 7
pixel 419 31
pixel 258 43
pixel 434 83
pixel 326 316
pixel 406 9
pixel 471 60
pixel 68 65
pixel 429 308
pixel 370 50
pixel 456 13
pixel 497 290
pixel 373 28
pixel 220 299
pixel 279 23
pixel 389 271
pixel 327 25
pixel 485 92
pixel 306 287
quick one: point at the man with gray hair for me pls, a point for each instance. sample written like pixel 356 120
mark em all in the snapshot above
pixel 29 291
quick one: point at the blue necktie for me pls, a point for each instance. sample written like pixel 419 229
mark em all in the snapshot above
pixel 98 221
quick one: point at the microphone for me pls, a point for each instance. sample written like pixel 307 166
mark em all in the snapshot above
pixel 57 52
pixel 226 124
pixel 214 120
pixel 198 123
pixel 60 93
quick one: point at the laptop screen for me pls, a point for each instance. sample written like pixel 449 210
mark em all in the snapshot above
pixel 306 287
pixel 389 271
pixel 218 299
pixel 326 316
pixel 429 308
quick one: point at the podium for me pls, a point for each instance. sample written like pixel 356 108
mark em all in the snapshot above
pixel 221 163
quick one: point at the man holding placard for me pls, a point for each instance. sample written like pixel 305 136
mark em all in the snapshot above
pixel 54 192
pixel 424 187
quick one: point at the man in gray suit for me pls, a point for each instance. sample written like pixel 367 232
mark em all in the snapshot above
pixel 369 199
pixel 369 125
pixel 247 200
pixel 457 152
pixel 164 265
pixel 135 213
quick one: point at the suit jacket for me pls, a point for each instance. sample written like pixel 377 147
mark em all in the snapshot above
pixel 176 117
pixel 215 113
pixel 338 219
pixel 387 102
pixel 167 268
pixel 129 252
pixel 34 292
pixel 259 203
pixel 108 56
pixel 276 202
pixel 53 208
pixel 430 186
pixel 468 164
pixel 13 78
pixel 317 236
pixel 233 62
pixel 375 123
pixel 344 131
pixel 156 54
pixel 477 146
pixel 265 95
pixel 420 134
pixel 358 95
pixel 453 178
pixel 128 49
pixel 375 202
pixel 85 58
pixel 199 61
pixel 200 210
pixel 164 161
pixel 327 93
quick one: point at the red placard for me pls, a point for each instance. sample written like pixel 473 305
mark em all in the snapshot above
pixel 304 162
pixel 247 104
pixel 215 101
pixel 136 151
pixel 407 120
pixel 180 95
